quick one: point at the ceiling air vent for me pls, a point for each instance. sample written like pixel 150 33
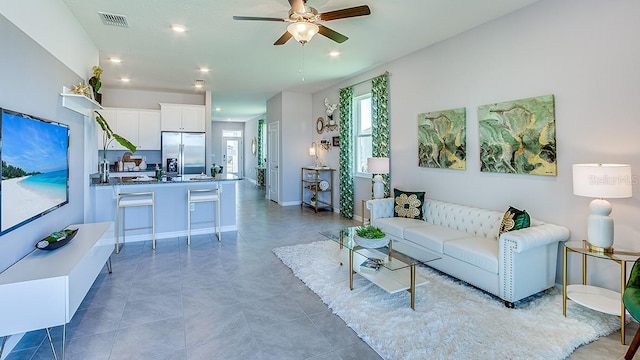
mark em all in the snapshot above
pixel 113 19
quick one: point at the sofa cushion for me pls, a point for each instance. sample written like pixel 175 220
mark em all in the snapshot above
pixel 395 225
pixel 432 236
pixel 408 204
pixel 514 219
pixel 477 251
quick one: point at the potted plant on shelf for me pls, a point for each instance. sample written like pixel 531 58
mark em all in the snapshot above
pixel 107 137
pixel 370 237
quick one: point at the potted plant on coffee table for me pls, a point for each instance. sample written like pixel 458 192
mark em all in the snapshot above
pixel 370 237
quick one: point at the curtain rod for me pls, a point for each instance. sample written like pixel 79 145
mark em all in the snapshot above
pixel 364 81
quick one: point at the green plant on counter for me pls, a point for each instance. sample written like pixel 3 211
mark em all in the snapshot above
pixel 370 232
pixel 109 135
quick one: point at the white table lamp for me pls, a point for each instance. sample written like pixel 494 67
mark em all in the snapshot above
pixel 313 151
pixel 378 166
pixel 601 181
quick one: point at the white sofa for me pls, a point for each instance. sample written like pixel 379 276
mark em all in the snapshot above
pixel 518 264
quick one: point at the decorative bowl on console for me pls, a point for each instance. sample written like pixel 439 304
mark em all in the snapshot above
pixel 57 239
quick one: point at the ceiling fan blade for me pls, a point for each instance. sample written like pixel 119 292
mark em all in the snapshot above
pixel 257 18
pixel 283 39
pixel 332 34
pixel 345 13
pixel 297 5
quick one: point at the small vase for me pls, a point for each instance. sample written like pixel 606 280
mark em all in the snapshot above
pixel 104 171
pixel 143 163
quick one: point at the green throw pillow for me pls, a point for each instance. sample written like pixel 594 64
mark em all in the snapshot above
pixel 408 204
pixel 514 219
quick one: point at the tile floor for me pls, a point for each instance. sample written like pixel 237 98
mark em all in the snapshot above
pixel 228 300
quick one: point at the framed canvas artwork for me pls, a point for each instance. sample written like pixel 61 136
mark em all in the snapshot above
pixel 442 139
pixel 518 137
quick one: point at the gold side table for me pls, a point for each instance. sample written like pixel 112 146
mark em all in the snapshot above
pixel 594 297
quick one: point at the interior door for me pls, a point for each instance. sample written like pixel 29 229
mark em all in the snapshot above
pixel 232 155
pixel 273 161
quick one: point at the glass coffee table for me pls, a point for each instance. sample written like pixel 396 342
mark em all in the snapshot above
pixel 397 269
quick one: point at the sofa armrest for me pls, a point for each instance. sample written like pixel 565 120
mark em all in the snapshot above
pixel 380 208
pixel 535 236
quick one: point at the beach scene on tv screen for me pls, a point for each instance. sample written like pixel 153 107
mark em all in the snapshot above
pixel 34 168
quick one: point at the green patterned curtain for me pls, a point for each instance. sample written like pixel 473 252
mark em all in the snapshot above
pixel 260 141
pixel 380 122
pixel 346 152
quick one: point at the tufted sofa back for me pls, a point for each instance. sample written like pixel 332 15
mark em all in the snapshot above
pixel 480 222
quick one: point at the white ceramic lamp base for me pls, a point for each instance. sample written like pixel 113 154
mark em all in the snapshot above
pixel 378 187
pixel 600 226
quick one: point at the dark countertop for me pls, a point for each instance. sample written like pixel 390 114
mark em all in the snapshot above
pixel 190 178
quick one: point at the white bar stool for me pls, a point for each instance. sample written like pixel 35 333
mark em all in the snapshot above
pixel 132 199
pixel 199 196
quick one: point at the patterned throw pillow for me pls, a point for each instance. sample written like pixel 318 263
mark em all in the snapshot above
pixel 514 219
pixel 408 204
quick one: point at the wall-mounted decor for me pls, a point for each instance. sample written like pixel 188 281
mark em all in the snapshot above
pixel 335 140
pixel 518 137
pixel 442 139
pixel 320 125
pixel 331 124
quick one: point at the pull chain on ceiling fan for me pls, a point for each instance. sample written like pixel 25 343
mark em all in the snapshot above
pixel 304 22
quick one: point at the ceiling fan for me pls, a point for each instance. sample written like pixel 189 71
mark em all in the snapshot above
pixel 304 21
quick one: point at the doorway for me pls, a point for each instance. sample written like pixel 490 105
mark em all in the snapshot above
pixel 273 156
pixel 232 159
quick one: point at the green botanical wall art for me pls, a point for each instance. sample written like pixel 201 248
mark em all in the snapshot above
pixel 518 137
pixel 442 139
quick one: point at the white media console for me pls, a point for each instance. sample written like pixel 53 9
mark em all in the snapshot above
pixel 45 288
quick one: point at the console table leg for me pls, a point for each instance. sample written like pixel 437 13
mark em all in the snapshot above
pixel 53 348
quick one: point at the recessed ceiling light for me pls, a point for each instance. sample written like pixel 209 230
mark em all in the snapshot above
pixel 115 60
pixel 199 84
pixel 178 28
pixel 218 108
pixel 204 70
pixel 125 79
pixel 334 53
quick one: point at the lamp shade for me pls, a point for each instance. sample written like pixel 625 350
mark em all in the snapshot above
pixel 312 150
pixel 303 31
pixel 378 165
pixel 602 180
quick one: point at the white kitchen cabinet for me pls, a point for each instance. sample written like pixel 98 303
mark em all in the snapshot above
pixel 141 127
pixel 179 117
pixel 148 130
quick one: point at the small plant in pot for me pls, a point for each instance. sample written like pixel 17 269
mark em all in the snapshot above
pixel 370 237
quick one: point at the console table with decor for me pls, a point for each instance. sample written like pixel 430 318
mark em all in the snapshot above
pixel 45 288
pixel 317 187
pixel 594 297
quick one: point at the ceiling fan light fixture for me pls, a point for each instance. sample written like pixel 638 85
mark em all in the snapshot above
pixel 303 31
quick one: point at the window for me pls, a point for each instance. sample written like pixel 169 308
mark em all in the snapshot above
pixel 362 134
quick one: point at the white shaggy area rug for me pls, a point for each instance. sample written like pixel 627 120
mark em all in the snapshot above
pixel 451 319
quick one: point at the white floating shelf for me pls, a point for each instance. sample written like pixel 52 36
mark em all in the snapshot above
pixel 78 103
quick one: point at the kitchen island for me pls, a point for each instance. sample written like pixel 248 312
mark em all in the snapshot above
pixel 170 204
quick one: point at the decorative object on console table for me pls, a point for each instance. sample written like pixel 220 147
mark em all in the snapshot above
pixel 601 181
pixel 57 239
pixel 378 166
pixel 313 151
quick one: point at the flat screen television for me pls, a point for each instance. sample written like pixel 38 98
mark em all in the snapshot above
pixel 35 168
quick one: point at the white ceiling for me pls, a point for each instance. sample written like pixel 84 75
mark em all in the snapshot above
pixel 246 68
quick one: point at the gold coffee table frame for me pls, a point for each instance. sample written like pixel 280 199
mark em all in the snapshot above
pixel 397 262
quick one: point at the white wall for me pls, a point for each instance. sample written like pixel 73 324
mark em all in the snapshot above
pixel 251 160
pixel 49 25
pixel 586 53
pixel 148 99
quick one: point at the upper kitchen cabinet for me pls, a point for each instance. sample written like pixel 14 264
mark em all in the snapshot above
pixel 178 117
pixel 140 127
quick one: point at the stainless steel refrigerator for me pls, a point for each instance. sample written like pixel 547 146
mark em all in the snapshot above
pixel 183 153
